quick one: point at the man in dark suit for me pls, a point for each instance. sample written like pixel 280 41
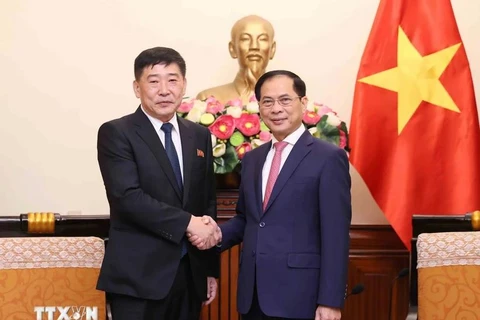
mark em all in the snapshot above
pixel 158 173
pixel 293 214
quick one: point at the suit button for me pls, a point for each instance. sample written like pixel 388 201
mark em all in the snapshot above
pixel 262 224
pixel 253 253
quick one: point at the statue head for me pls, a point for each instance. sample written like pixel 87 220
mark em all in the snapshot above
pixel 252 43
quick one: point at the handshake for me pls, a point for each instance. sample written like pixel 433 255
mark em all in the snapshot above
pixel 203 232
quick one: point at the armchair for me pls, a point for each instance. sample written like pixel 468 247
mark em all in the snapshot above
pixel 51 277
pixel 448 266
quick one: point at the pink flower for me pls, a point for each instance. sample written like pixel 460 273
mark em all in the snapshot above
pixel 322 109
pixel 223 127
pixel 248 124
pixel 343 139
pixel 265 136
pixel 186 106
pixel 214 106
pixel 253 99
pixel 311 117
pixel 234 103
pixel 242 149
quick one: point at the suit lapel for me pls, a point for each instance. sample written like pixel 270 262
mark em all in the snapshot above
pixel 260 161
pixel 188 151
pixel 146 131
pixel 299 151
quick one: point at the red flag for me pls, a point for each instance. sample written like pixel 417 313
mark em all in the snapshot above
pixel 414 131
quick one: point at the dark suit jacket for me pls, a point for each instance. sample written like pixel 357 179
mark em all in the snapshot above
pixel 148 215
pixel 297 250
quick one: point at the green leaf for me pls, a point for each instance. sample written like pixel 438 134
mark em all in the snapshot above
pixel 323 121
pixel 327 132
pixel 228 161
pixel 332 139
pixel 331 131
pixel 219 161
pixel 220 170
pixel 343 127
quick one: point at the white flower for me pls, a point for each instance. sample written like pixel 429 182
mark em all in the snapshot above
pixel 194 115
pixel 253 107
pixel 200 105
pixel 313 130
pixel 214 140
pixel 257 143
pixel 219 150
pixel 234 111
pixel 311 106
pixel 333 120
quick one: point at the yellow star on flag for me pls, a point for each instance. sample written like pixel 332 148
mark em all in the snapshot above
pixel 416 79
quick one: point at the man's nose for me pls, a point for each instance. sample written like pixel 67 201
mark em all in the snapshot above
pixel 276 108
pixel 162 88
pixel 254 44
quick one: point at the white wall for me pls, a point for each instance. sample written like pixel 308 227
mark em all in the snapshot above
pixel 67 66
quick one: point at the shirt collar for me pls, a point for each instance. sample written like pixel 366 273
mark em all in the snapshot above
pixel 157 124
pixel 293 137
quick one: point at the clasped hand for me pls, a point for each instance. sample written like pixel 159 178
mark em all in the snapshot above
pixel 203 232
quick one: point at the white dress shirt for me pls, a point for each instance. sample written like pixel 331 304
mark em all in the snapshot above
pixel 291 139
pixel 177 142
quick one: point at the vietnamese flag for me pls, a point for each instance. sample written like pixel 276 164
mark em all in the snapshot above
pixel 414 131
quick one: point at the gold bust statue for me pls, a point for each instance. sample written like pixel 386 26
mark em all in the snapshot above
pixel 253 45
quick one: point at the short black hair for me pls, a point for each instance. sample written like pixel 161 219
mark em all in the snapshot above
pixel 298 84
pixel 158 55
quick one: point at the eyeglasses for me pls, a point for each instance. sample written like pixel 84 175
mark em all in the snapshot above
pixel 283 101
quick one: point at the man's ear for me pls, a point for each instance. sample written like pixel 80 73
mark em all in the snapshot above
pixel 273 50
pixel 231 49
pixel 184 86
pixel 136 88
pixel 304 101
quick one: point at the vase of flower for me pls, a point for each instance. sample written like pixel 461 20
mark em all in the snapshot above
pixel 237 129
